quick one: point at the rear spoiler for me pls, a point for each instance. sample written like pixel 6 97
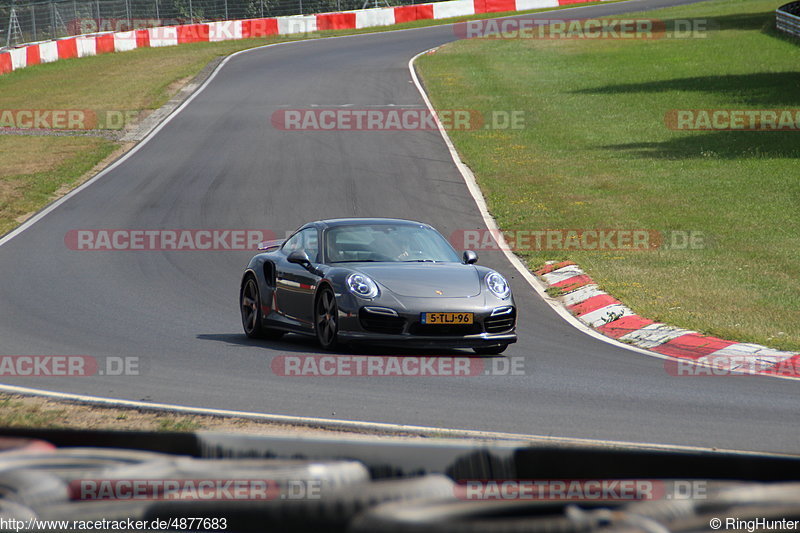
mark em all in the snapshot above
pixel 268 246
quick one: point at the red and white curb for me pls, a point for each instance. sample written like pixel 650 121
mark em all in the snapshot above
pixel 601 311
pixel 107 42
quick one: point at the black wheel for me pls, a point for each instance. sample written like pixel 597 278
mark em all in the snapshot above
pixel 491 350
pixel 250 304
pixel 326 319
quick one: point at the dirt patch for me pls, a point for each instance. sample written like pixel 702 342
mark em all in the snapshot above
pixel 40 412
pixel 173 88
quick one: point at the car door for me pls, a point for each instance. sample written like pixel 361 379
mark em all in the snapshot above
pixel 294 284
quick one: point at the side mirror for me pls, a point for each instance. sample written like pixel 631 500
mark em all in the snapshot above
pixel 299 257
pixel 470 257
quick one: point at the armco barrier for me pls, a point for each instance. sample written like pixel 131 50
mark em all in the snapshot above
pixel 459 458
pixel 787 18
pixel 107 42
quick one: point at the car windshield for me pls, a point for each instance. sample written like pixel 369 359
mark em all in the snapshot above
pixel 387 243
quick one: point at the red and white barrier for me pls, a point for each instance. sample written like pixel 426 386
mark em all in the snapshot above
pixel 454 8
pixel 162 36
pixel 121 41
pixel 223 31
pixel 48 52
pixel 298 24
pixel 86 45
pixel 19 58
pixel 107 42
pixel 381 16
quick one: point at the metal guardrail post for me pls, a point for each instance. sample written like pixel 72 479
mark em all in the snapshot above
pixel 787 18
pixel 33 22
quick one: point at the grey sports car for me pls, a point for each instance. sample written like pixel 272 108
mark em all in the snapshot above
pixel 383 281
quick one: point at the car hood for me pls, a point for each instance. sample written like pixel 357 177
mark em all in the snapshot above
pixel 421 280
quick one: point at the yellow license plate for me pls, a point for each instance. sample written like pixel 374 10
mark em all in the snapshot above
pixel 447 318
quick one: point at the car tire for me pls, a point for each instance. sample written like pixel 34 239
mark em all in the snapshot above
pixel 250 307
pixel 491 350
pixel 326 319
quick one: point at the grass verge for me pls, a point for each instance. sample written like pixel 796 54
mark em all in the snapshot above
pixel 34 169
pixel 596 153
pixel 40 412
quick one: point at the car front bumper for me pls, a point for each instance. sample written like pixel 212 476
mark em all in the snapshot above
pixel 404 327
pixel 432 341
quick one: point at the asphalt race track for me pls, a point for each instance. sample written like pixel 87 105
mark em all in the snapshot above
pixel 220 164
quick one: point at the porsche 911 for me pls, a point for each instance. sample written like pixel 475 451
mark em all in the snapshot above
pixel 379 281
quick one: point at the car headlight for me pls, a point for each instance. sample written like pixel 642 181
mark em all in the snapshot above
pixel 498 285
pixel 362 286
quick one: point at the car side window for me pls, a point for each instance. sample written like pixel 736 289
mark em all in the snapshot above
pixel 304 240
pixel 311 243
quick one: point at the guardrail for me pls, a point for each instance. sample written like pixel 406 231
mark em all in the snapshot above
pixel 24 21
pixel 122 41
pixel 787 18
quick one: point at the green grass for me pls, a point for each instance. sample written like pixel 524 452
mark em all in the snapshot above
pixel 596 153
pixel 35 169
pixel 173 424
pixel 39 412
pixel 20 414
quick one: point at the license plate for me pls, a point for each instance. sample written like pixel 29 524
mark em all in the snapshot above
pixel 447 318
